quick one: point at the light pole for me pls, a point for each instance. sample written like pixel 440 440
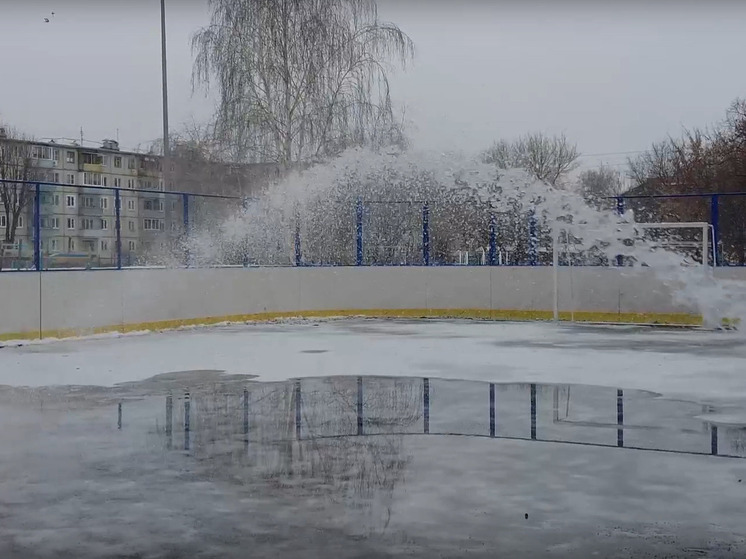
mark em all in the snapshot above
pixel 166 146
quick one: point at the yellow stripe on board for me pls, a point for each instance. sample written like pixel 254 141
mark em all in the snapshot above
pixel 667 319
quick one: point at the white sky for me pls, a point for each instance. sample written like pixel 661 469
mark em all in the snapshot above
pixel 614 76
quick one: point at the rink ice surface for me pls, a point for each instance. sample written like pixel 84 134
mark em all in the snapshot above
pixel 73 484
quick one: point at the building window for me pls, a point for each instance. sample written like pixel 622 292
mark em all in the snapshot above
pixel 117 182
pixel 53 244
pixel 20 221
pixel 130 204
pixel 50 222
pixel 152 224
pixel 70 200
pixel 87 223
pixel 132 245
pixel 71 179
pixel 130 183
pixel 3 221
pixel 104 246
pixel 131 225
pixel 104 160
pixel 105 182
pixel 154 205
pixel 70 158
pixel 50 199
pixel 104 203
pixel 55 177
pixel 87 202
pixel 92 159
pixel 43 152
pixel 117 161
pixel 70 244
pixel 71 223
pixel 104 224
pixel 94 179
pixel 173 226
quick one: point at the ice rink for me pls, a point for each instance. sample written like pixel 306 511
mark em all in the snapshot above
pixel 675 362
pixel 300 482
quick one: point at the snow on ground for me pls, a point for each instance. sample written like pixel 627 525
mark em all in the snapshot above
pixel 678 363
pixel 74 485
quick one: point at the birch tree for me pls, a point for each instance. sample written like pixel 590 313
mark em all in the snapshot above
pixel 300 80
pixel 598 186
pixel 548 158
pixel 16 164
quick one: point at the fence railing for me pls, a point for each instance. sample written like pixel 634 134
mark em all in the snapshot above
pixel 724 211
pixel 320 408
pixel 54 226
pixel 63 226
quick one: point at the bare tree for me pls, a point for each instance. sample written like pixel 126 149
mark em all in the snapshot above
pixel 700 161
pixel 548 158
pixel 599 186
pixel 16 164
pixel 300 79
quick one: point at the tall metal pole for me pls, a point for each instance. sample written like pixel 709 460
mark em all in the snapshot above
pixel 166 146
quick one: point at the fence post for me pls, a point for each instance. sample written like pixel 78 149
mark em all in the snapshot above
pixel 246 415
pixel 533 242
pixel 37 228
pixel 118 226
pixel 426 405
pixel 493 240
pixel 715 221
pixel 185 203
pixel 297 410
pixel 426 234
pixel 492 409
pixel 359 232
pixel 620 212
pixel 533 412
pixel 359 405
pixel 169 420
pixel 620 418
pixel 714 440
pixel 187 420
pixel 298 254
pixel 119 416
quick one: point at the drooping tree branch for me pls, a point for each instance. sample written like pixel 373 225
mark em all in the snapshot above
pixel 300 79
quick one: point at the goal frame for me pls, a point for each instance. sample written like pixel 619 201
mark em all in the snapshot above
pixel 708 236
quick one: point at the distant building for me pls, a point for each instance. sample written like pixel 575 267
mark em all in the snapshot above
pixel 78 224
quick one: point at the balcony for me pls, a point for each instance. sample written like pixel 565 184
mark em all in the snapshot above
pixel 91 168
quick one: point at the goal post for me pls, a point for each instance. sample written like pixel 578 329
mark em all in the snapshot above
pixel 708 235
pixel 579 245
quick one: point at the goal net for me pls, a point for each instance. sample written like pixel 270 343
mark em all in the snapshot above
pixel 624 269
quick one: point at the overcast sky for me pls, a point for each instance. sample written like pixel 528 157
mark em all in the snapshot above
pixel 614 76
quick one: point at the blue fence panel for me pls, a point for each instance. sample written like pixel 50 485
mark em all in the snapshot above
pixel 67 226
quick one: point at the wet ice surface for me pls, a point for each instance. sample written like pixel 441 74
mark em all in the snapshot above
pixel 73 484
pixel 703 365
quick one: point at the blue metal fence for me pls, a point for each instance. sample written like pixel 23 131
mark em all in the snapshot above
pixel 65 226
pixel 724 211
pixel 319 408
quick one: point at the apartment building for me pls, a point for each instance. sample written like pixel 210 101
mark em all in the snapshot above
pixel 78 211
pixel 78 203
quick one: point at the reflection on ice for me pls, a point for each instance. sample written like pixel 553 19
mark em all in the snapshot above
pixel 369 463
